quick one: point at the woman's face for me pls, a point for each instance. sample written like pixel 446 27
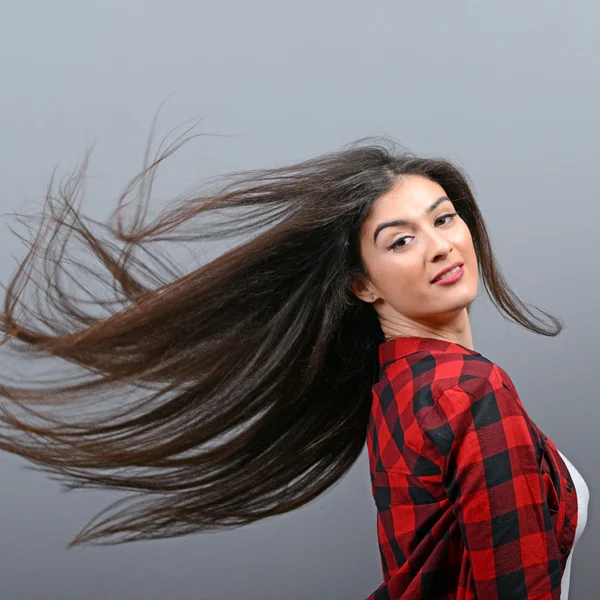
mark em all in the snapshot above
pixel 402 260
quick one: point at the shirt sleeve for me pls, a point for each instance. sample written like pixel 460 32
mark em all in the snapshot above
pixel 492 477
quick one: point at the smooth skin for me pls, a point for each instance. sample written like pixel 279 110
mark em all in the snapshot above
pixel 399 278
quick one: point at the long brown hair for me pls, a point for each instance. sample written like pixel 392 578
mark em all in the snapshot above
pixel 230 393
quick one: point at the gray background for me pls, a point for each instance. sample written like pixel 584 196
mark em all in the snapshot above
pixel 509 90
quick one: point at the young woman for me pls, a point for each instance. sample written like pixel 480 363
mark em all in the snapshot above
pixel 248 386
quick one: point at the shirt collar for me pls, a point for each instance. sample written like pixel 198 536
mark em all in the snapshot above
pixel 399 347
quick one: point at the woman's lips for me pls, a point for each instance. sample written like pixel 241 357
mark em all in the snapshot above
pixel 451 278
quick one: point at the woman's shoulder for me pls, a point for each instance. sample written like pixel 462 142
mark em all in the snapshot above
pixel 435 396
pixel 436 371
pixel 480 394
pixel 443 383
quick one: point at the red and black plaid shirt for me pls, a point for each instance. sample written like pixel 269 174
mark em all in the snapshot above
pixel 473 500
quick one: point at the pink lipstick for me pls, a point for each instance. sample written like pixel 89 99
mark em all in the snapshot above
pixel 449 279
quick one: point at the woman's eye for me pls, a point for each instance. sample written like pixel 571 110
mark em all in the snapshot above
pixel 398 243
pixel 449 215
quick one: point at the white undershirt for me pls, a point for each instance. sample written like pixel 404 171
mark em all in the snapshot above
pixel 583 496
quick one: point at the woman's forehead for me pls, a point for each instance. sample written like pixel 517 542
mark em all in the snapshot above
pixel 411 199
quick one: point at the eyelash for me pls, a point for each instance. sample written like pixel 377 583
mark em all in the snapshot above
pixel 396 243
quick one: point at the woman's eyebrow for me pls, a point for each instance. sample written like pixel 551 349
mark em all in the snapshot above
pixel 401 222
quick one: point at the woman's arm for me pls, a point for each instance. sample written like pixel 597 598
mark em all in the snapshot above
pixel 492 477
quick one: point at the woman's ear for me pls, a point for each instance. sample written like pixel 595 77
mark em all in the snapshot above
pixel 362 289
